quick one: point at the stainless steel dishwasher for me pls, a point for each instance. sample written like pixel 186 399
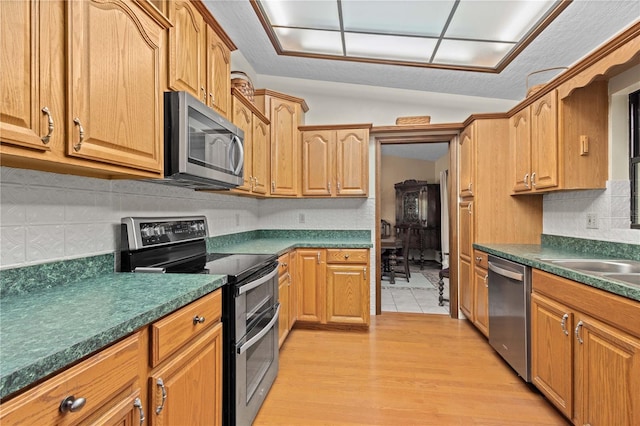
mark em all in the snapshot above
pixel 509 313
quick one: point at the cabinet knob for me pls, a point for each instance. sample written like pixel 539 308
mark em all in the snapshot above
pixel 478 259
pixel 72 404
pixel 198 320
pixel 346 256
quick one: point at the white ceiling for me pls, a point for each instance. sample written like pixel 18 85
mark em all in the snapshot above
pixel 579 29
pixel 416 151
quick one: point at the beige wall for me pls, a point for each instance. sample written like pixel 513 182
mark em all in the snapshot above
pixel 398 169
pixel 441 164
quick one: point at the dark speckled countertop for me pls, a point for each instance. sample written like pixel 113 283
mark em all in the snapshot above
pixel 43 331
pixel 533 255
pixel 52 315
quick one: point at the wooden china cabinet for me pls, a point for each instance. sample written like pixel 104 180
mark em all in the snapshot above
pixel 418 212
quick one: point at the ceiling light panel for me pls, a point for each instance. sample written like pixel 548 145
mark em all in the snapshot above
pixel 496 20
pixel 303 14
pixel 426 18
pixel 310 41
pixel 397 48
pixel 473 53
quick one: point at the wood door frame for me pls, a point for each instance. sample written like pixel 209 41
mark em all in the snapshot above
pixel 450 137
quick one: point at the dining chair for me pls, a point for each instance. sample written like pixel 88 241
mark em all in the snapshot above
pixel 402 258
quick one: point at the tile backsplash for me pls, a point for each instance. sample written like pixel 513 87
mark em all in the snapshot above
pixel 46 217
pixel 565 213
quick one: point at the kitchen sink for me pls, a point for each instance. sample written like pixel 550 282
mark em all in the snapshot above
pixel 631 279
pixel 618 267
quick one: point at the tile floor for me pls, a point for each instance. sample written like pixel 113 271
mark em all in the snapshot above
pixel 419 295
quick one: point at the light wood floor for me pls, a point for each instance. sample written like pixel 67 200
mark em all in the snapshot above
pixel 409 369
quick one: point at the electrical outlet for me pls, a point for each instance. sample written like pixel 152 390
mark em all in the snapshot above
pixel 592 221
pixel 301 218
pixel 237 219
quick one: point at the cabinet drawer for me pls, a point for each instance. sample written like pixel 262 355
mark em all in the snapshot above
pixel 173 331
pixel 98 379
pixel 283 266
pixel 347 255
pixel 481 258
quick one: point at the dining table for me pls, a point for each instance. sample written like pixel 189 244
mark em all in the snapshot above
pixel 390 246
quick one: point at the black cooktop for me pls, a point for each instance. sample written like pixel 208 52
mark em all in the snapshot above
pixel 238 266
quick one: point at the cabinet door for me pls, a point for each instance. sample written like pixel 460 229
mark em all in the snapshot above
pixel 284 148
pixel 609 389
pixel 466 229
pixel 243 118
pixel 218 73
pixel 317 152
pixel 544 142
pixel 22 42
pixel 116 116
pixel 520 143
pixel 551 351
pixel 466 289
pixel 187 51
pixel 347 294
pixel 311 285
pixel 467 160
pixel 185 403
pixel 293 288
pixel 352 162
pixel 481 300
pixel 283 295
pixel 260 156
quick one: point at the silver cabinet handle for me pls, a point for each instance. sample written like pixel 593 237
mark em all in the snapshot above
pixel 486 283
pixel 563 324
pixel 45 139
pixel 526 180
pixel 77 146
pixel 71 404
pixel 204 94
pixel 160 383
pixel 338 186
pixel 198 320
pixel 364 273
pixel 273 186
pixel 329 186
pixel 318 256
pixel 577 331
pixel 211 97
pixel 533 179
pixel 469 208
pixel 138 404
pixel 471 187
pixel 505 273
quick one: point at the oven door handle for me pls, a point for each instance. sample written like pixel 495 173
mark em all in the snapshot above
pixel 242 349
pixel 505 273
pixel 256 283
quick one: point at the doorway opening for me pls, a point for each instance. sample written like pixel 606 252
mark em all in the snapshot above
pixel 409 173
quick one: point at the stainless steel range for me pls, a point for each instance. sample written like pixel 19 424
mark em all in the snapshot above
pixel 250 301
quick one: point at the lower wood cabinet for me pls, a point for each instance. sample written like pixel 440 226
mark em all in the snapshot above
pixel 481 292
pixel 585 351
pixel 333 286
pixel 185 385
pixel 103 389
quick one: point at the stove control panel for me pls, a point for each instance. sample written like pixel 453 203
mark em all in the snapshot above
pixel 148 232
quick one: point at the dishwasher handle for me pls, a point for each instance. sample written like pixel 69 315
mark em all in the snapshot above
pixel 505 272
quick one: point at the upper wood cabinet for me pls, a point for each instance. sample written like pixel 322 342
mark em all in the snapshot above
pixel 467 160
pixel 199 60
pixel 285 113
pixel 561 144
pixel 99 123
pixel 187 53
pixel 335 160
pixel 218 73
pixel 256 144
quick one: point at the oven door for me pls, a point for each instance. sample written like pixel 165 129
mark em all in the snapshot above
pixel 256 365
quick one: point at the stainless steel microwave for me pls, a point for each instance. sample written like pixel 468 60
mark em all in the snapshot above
pixel 202 149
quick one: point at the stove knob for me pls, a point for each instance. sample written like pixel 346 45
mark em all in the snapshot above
pixel 157 230
pixel 146 232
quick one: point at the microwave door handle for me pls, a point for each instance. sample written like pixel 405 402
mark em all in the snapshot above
pixel 245 288
pixel 235 139
pixel 242 349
